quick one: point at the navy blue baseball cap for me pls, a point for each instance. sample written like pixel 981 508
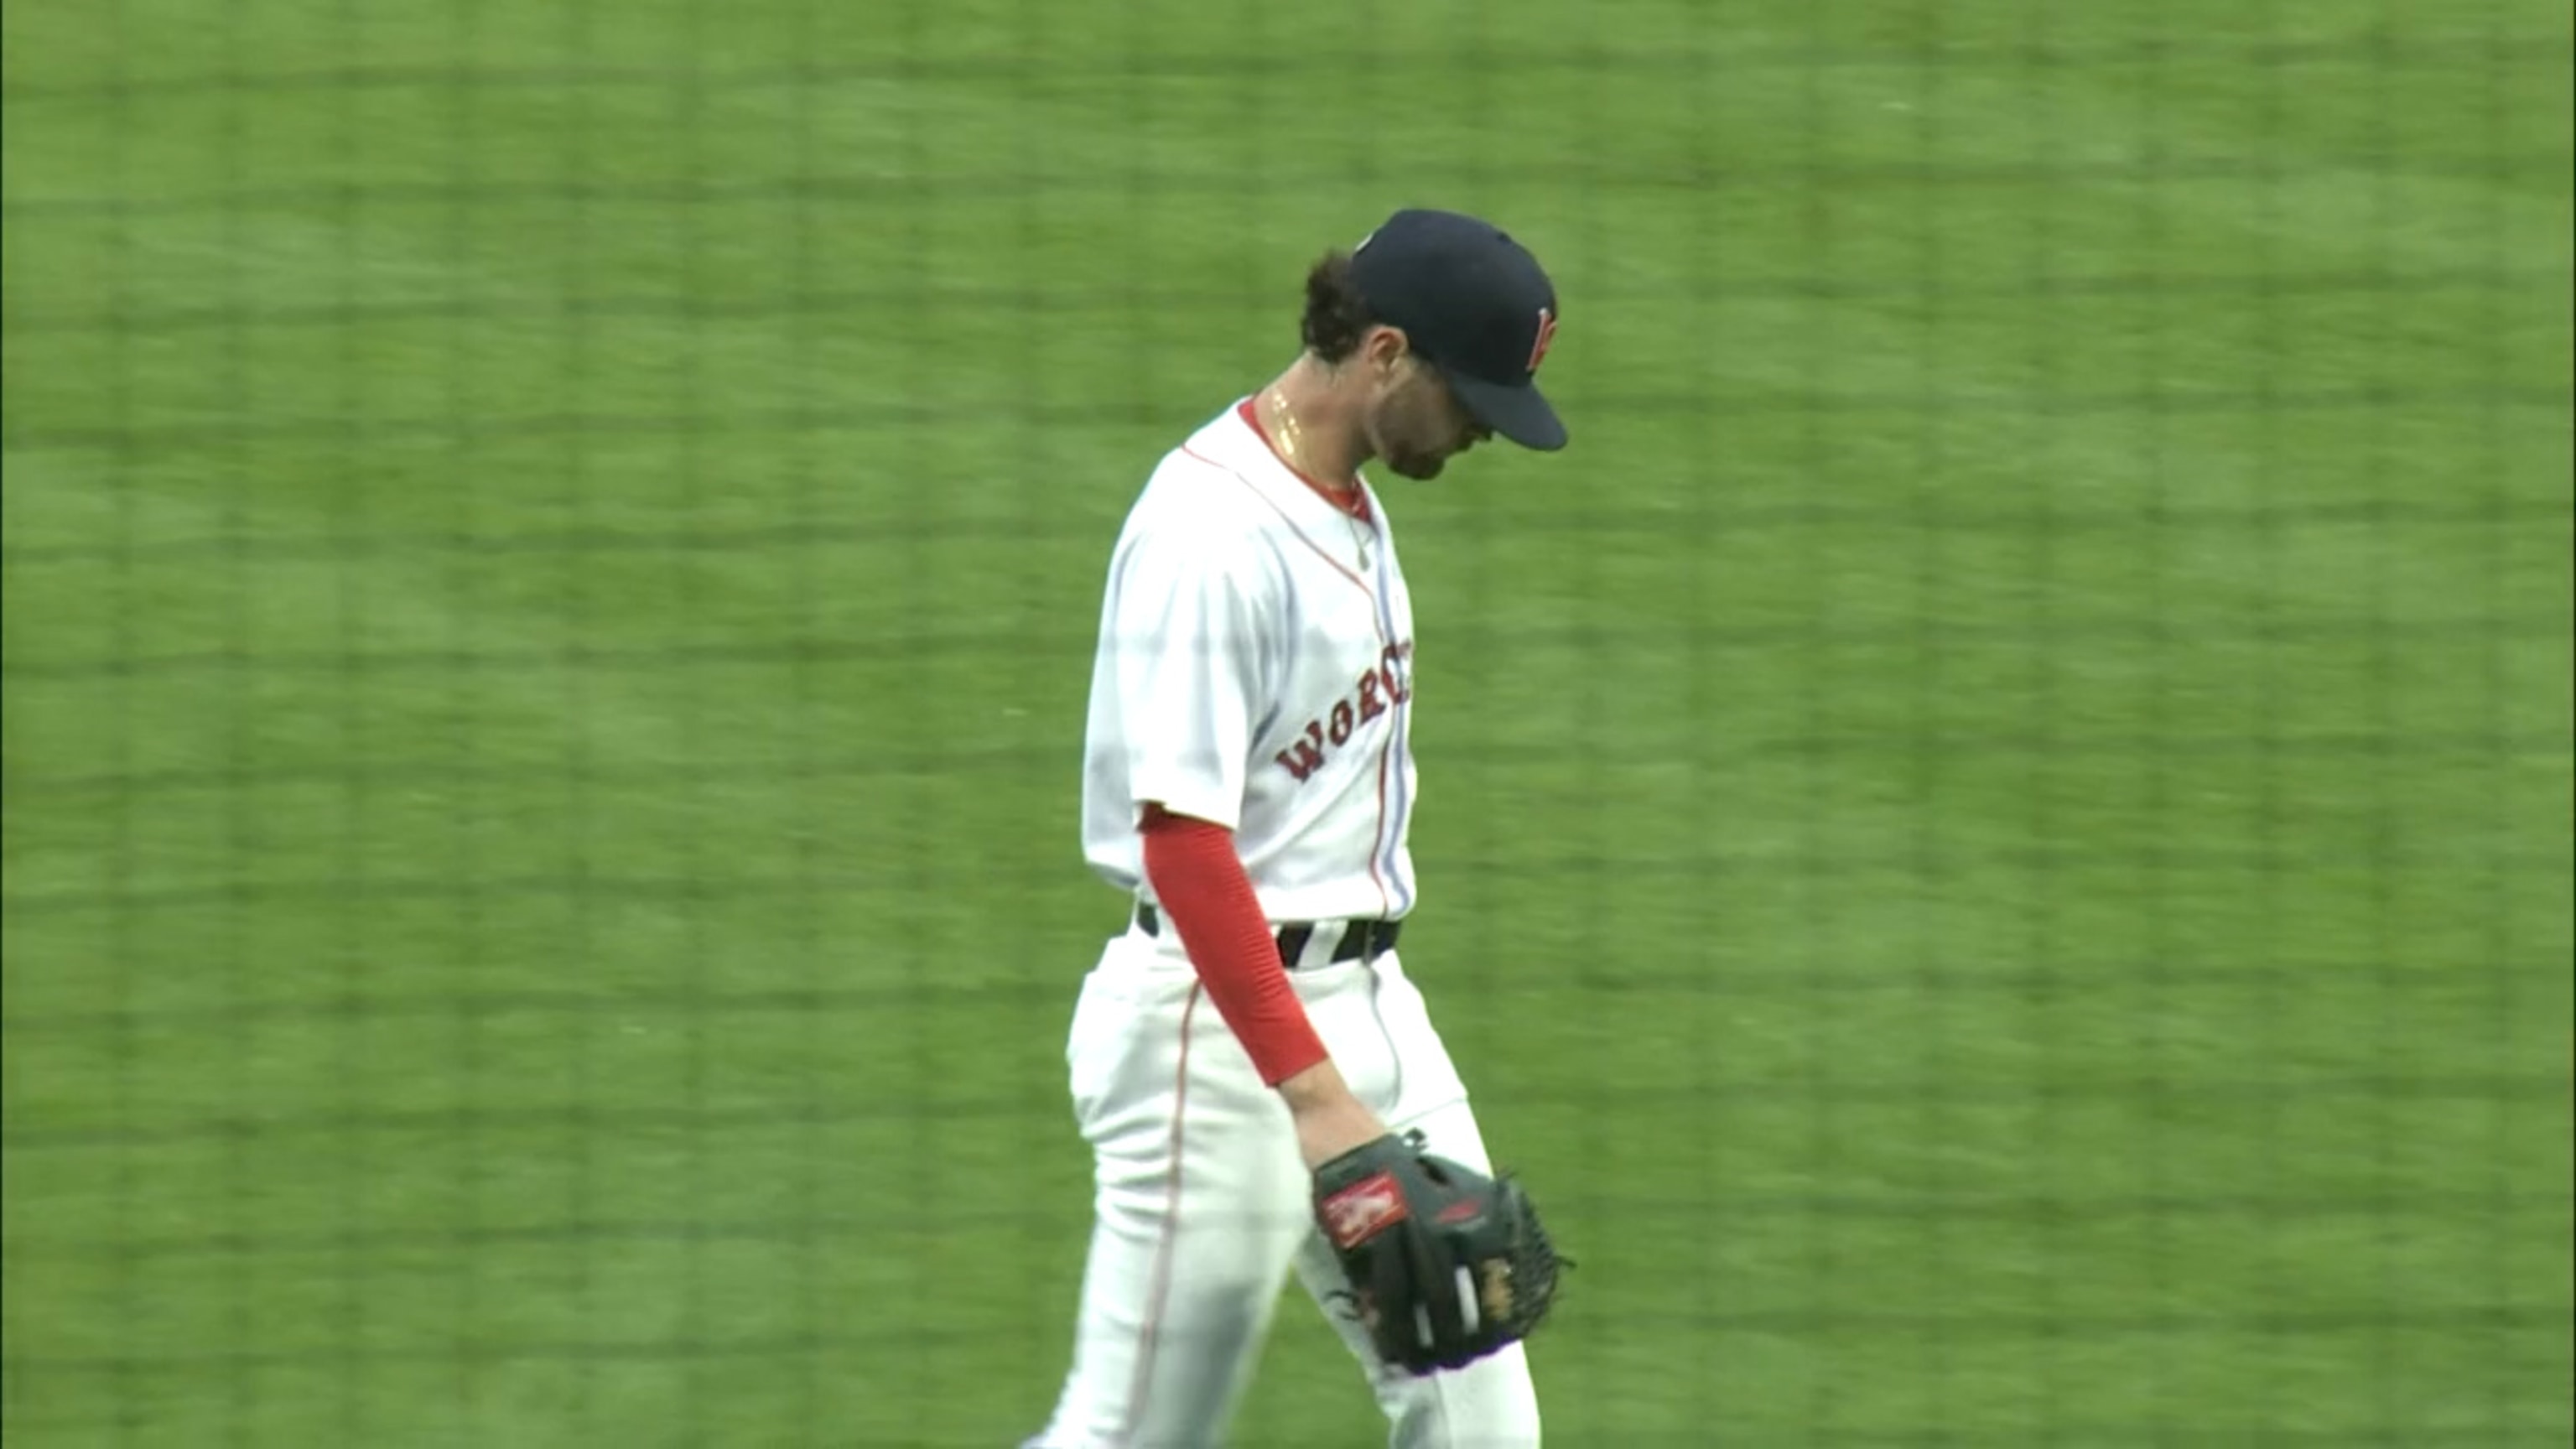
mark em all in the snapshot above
pixel 1476 305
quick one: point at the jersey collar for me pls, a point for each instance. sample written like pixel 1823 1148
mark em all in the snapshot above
pixel 1249 449
pixel 1353 500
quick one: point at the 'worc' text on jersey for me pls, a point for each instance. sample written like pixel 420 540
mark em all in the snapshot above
pixel 1255 669
pixel 1380 687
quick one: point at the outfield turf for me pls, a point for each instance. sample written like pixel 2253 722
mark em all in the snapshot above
pixel 1996 833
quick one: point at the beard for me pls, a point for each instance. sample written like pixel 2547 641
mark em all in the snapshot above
pixel 1418 466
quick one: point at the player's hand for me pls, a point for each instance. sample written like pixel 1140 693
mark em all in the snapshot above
pixel 1330 1120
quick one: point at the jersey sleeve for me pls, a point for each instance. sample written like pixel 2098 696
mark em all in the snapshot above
pixel 1191 649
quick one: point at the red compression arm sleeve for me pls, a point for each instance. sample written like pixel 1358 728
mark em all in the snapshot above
pixel 1209 901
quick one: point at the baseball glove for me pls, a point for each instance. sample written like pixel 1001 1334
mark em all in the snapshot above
pixel 1445 1264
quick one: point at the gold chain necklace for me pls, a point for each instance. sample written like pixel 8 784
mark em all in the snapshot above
pixel 1288 430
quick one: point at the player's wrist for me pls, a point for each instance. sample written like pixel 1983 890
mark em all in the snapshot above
pixel 1330 1119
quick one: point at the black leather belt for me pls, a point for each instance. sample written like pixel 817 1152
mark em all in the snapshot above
pixel 1361 940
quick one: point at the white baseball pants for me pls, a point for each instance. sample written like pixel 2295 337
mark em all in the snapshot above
pixel 1202 1208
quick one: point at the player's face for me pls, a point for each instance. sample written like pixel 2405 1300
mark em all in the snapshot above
pixel 1417 424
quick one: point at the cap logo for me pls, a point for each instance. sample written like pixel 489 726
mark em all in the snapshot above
pixel 1546 337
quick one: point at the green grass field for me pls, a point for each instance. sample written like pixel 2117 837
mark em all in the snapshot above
pixel 1996 834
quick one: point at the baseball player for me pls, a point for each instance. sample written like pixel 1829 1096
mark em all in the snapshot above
pixel 1256 1074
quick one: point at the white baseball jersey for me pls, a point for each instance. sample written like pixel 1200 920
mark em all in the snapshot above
pixel 1255 670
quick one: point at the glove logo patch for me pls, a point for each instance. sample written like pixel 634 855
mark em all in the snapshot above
pixel 1494 1289
pixel 1363 1210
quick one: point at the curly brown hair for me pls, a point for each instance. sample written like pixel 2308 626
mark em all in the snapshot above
pixel 1337 317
